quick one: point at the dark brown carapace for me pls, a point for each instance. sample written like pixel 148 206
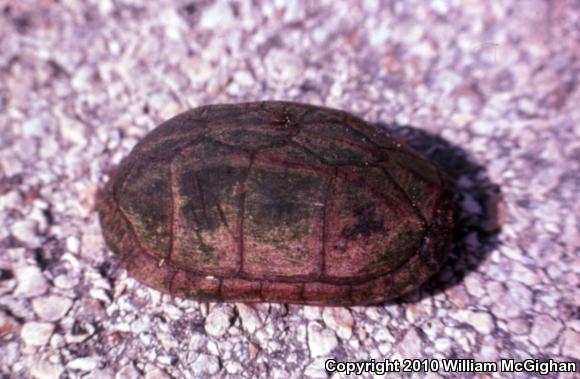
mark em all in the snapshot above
pixel 277 202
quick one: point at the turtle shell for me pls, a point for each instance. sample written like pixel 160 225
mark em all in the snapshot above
pixel 277 202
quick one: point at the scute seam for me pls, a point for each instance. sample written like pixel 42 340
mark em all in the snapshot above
pixel 325 223
pixel 242 213
pixel 172 211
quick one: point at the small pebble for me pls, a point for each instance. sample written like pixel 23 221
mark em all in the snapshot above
pixel 218 321
pixel 321 341
pixel 84 363
pixel 36 333
pixel 31 282
pixel 52 307
pixel 340 320
pixel 249 317
pixel 205 364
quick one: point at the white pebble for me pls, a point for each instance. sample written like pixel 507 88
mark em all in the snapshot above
pixel 218 321
pixel 52 307
pixel 31 282
pixel 321 341
pixel 37 333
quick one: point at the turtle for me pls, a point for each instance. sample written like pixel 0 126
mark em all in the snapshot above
pixel 278 202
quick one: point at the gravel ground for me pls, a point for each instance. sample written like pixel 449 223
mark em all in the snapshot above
pixel 488 87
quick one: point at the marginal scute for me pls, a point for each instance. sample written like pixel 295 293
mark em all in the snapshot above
pixel 334 294
pixel 241 289
pixel 278 292
pixel 369 292
pixel 277 202
pixel 205 288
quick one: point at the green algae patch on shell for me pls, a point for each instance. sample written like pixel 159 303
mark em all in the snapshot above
pixel 277 202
